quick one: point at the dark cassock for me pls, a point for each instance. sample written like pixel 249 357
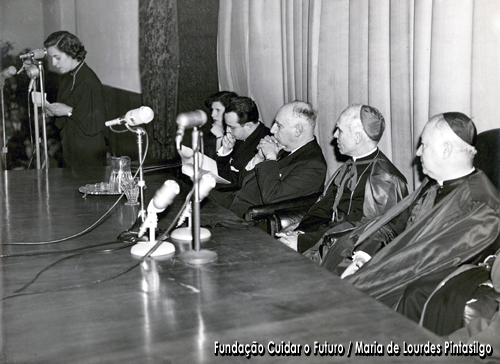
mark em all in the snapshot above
pixel 360 189
pixel 82 141
pixel 430 231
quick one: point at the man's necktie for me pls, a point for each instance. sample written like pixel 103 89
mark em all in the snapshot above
pixel 282 154
pixel 423 205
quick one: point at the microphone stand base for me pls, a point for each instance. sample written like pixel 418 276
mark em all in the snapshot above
pixel 141 249
pixel 202 256
pixel 185 235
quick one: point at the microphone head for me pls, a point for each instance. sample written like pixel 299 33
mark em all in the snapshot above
pixel 142 115
pixel 32 71
pixel 192 118
pixel 39 53
pixel 207 182
pixel 9 72
pixel 164 196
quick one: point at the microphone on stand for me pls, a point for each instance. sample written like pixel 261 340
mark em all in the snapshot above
pixel 35 53
pixel 207 182
pixel 8 72
pixel 163 197
pixel 188 120
pixel 142 115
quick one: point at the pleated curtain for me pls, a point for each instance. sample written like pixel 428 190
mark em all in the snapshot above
pixel 411 59
pixel 159 65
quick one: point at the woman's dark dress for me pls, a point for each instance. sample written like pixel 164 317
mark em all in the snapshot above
pixel 82 141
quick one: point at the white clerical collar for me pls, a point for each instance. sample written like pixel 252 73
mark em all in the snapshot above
pixel 457 177
pixel 364 155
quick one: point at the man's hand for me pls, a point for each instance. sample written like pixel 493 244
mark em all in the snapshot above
pixel 269 147
pixel 58 109
pixel 228 142
pixel 358 260
pixel 48 111
pixel 289 238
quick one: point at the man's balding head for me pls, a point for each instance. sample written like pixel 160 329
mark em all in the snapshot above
pixel 358 130
pixel 443 152
pixel 294 124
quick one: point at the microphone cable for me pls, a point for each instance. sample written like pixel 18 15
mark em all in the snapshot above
pixel 50 252
pixel 19 292
pixel 63 259
pixel 160 239
pixel 91 227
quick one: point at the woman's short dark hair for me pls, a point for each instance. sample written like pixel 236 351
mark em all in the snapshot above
pixel 67 43
pixel 224 97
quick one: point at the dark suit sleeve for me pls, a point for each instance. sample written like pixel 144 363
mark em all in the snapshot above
pixel 306 178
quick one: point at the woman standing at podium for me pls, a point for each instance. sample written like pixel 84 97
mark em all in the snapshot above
pixel 80 109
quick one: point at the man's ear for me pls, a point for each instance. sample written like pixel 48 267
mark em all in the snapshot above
pixel 447 149
pixel 299 128
pixel 357 137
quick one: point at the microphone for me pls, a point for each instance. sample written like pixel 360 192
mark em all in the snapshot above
pixel 163 197
pixel 142 115
pixel 35 53
pixel 207 182
pixel 8 72
pixel 188 120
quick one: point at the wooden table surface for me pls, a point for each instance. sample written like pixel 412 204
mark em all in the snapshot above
pixel 164 311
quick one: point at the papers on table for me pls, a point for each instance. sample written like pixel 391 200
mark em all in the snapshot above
pixel 208 165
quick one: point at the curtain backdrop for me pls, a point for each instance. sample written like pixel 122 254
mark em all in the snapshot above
pixel 410 59
pixel 159 65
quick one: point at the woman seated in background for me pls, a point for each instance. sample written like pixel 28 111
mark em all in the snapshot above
pixel 217 103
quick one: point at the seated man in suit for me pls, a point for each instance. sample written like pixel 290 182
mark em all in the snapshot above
pixel 239 145
pixel 212 138
pixel 288 164
pixel 365 186
pixel 450 219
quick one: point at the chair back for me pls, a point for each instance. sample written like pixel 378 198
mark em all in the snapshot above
pixel 487 158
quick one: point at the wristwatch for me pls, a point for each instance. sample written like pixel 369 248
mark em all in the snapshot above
pixel 70 113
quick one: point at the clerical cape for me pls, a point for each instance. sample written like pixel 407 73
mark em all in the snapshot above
pixel 454 231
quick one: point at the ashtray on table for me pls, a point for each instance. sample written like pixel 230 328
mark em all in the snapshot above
pixel 97 189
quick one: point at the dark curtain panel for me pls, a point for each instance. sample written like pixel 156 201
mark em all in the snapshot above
pixel 198 52
pixel 197 25
pixel 159 67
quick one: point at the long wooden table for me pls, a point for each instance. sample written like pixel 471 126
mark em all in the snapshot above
pixel 257 293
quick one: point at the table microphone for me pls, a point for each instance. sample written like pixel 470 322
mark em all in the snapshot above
pixel 185 234
pixel 163 198
pixel 188 120
pixel 142 115
pixel 207 182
